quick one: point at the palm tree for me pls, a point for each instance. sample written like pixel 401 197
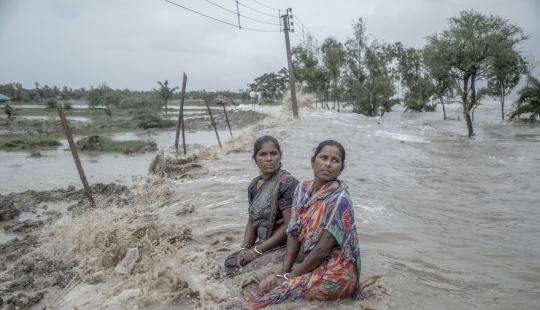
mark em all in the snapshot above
pixel 529 100
pixel 165 92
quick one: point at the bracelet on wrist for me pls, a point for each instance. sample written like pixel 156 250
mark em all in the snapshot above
pixel 241 249
pixel 257 251
pixel 285 276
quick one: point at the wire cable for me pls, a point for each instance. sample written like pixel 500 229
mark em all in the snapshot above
pixel 183 7
pixel 236 13
pixel 303 25
pixel 224 22
pixel 254 9
pixel 267 6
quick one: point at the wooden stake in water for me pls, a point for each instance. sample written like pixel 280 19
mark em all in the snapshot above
pixel 227 118
pixel 212 119
pixel 181 118
pixel 75 155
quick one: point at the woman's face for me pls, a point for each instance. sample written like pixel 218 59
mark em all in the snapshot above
pixel 268 159
pixel 327 164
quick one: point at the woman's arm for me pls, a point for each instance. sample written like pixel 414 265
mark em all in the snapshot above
pixel 316 256
pixel 291 252
pixel 275 240
pixel 250 235
pixel 279 236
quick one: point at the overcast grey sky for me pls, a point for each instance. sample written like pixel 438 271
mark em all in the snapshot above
pixel 135 43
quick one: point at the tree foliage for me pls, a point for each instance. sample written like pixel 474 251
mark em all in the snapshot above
pixel 102 96
pixel 415 79
pixel 165 92
pixel 529 100
pixel 274 83
pixel 468 50
pixel 508 66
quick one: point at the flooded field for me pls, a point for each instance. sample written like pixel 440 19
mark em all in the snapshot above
pixel 446 221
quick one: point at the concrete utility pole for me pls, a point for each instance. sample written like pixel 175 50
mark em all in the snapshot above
pixel 289 60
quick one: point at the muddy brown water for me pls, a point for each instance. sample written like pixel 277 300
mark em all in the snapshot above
pixel 449 222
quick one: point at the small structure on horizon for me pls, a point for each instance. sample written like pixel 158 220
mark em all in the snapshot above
pixel 4 98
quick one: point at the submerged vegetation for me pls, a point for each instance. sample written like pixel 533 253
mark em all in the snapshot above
pixel 25 143
pixel 98 143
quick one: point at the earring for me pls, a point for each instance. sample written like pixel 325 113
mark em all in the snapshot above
pixel 257 167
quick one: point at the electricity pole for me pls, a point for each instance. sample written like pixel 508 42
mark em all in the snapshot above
pixel 289 60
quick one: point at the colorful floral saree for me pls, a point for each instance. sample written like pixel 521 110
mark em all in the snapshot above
pixel 338 275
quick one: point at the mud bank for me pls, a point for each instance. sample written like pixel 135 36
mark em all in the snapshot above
pixel 53 242
pixel 24 127
pixel 27 275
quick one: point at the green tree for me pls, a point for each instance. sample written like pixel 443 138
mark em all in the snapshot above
pixel 333 59
pixel 443 81
pixel 96 96
pixel 274 83
pixel 355 49
pixel 529 100
pixel 468 50
pixel 415 79
pixel 314 78
pixel 9 110
pixel 374 96
pixel 165 92
pixel 508 66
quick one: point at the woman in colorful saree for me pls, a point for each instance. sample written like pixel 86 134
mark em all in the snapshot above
pixel 270 200
pixel 322 227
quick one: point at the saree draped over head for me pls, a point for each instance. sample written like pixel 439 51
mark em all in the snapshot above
pixel 338 276
pixel 266 205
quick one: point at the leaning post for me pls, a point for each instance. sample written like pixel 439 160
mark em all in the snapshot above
pixel 227 118
pixel 75 155
pixel 180 123
pixel 212 119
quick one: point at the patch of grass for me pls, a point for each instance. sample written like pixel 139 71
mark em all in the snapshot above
pixel 25 143
pixel 50 104
pixel 99 131
pixel 95 143
pixel 129 146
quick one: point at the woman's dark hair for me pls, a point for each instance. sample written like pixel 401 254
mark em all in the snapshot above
pixel 257 146
pixel 321 145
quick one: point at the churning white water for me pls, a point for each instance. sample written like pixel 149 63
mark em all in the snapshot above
pixel 447 221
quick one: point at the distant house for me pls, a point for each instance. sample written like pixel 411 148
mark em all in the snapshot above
pixel 4 98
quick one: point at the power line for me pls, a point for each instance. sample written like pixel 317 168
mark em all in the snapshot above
pixel 183 7
pixel 224 22
pixel 267 6
pixel 236 13
pixel 254 9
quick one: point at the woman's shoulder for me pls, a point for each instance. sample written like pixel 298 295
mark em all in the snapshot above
pixel 288 178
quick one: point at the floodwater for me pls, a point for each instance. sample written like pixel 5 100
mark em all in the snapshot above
pixel 56 167
pixel 449 222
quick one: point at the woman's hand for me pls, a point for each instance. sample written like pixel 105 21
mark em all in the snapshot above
pixel 276 282
pixel 245 257
pixel 270 282
pixel 240 258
